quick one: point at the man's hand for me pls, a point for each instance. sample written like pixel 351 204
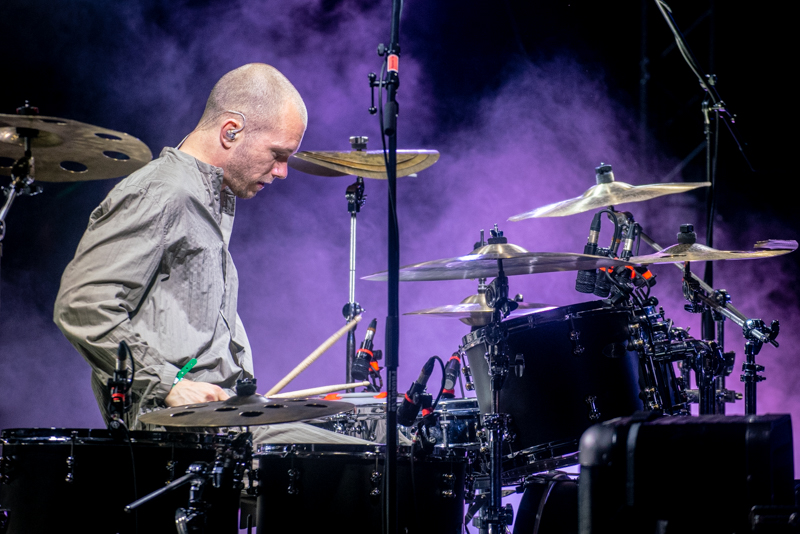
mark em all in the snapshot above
pixel 188 392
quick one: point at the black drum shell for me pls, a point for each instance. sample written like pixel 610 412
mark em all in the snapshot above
pixel 40 500
pixel 333 489
pixel 571 353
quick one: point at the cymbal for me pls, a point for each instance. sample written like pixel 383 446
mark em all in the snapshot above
pixel 474 311
pixel 367 163
pixel 607 192
pixel 70 151
pixel 697 252
pixel 482 263
pixel 251 410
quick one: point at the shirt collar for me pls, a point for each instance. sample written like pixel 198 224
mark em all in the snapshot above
pixel 224 199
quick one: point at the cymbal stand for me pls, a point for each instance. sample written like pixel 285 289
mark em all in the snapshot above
pixel 22 174
pixel 712 102
pixel 702 296
pixel 355 199
pixel 494 517
pixel 755 332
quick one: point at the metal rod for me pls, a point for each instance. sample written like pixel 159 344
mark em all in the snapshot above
pixel 350 347
pixel 188 477
pixel 352 293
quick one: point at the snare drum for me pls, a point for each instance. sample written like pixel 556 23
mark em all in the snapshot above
pixel 367 419
pixel 57 478
pixel 577 373
pixel 340 488
pixel 457 423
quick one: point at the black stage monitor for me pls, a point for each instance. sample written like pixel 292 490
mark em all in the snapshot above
pixel 650 474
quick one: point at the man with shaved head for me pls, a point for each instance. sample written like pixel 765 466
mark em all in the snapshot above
pixel 153 267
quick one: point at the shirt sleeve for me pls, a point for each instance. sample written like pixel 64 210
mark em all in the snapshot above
pixel 116 263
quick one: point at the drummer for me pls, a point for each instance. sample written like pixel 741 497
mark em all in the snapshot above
pixel 153 268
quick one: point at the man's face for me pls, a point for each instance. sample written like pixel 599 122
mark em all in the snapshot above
pixel 263 156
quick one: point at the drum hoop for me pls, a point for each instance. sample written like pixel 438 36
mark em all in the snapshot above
pixel 538 320
pixel 368 452
pixel 56 436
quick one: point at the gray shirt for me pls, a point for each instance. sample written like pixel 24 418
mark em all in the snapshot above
pixel 153 269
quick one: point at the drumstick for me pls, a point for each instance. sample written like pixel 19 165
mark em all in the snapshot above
pixel 313 356
pixel 319 390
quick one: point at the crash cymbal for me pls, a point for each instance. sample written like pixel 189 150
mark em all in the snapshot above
pixel 368 164
pixel 70 151
pixel 482 263
pixel 474 311
pixel 696 252
pixel 606 193
pixel 251 410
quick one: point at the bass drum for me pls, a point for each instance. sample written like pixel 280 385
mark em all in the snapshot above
pixel 57 478
pixel 577 372
pixel 340 488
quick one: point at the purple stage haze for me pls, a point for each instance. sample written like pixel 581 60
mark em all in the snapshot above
pixel 533 139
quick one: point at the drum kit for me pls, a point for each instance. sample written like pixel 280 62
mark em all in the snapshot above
pixel 541 374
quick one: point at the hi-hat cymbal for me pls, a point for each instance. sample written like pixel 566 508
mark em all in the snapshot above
pixel 697 252
pixel 368 164
pixel 251 410
pixel 474 311
pixel 607 192
pixel 70 151
pixel 483 263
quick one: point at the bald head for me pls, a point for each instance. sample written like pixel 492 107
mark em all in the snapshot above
pixel 257 90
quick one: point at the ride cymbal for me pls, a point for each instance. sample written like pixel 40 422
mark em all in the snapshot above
pixel 251 410
pixel 367 164
pixel 483 263
pixel 69 151
pixel 607 192
pixel 696 252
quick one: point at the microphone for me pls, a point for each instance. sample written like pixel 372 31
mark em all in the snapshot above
pixel 120 384
pixel 408 411
pixel 364 355
pixel 451 375
pixel 586 279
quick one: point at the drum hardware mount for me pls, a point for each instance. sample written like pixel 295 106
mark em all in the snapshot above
pixel 7 464
pixel 376 478
pixel 294 478
pixel 594 413
pixel 70 478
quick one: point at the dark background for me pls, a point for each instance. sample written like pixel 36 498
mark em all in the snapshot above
pixel 523 99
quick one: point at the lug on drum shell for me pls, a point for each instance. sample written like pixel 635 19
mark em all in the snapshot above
pixel 572 354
